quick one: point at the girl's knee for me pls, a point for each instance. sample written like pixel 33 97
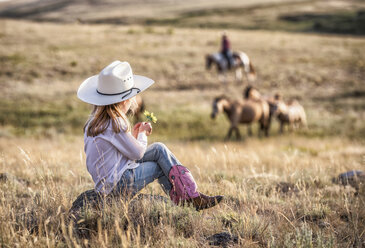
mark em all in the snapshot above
pixel 159 146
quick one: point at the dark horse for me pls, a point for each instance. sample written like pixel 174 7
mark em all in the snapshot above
pixel 241 61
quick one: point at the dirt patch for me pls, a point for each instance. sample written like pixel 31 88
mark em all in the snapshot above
pixel 223 239
pixel 285 187
pixel 86 210
pixel 355 179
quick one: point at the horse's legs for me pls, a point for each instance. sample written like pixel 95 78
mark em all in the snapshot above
pixel 266 130
pixel 281 127
pixel 296 125
pixel 249 130
pixel 267 127
pixel 261 128
pixel 303 122
pixel 238 135
pixel 291 126
pixel 239 74
pixel 229 134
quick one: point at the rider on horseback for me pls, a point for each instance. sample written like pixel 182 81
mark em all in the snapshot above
pixel 226 50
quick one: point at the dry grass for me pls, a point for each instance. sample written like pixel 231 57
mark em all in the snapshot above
pixel 278 190
pixel 259 208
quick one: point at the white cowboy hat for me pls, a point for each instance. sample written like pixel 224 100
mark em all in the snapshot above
pixel 115 83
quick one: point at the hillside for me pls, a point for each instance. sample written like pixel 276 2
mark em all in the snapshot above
pixel 335 16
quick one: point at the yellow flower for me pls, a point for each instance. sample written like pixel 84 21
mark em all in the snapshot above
pixel 150 116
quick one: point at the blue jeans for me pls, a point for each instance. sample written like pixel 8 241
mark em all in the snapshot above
pixel 155 164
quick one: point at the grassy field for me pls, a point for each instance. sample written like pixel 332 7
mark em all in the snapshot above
pixel 279 190
pixel 279 193
pixel 325 73
pixel 334 16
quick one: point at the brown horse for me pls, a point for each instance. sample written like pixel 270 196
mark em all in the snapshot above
pixel 241 61
pixel 242 112
pixel 289 113
pixel 251 92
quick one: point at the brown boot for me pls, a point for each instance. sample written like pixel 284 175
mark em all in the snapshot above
pixel 203 201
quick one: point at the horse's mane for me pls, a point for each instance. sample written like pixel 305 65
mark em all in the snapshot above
pixel 247 91
pixel 221 97
pixel 277 96
pixel 210 57
pixel 293 102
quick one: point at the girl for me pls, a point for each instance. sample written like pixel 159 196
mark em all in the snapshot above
pixel 117 156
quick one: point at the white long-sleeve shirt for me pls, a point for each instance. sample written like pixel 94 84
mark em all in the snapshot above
pixel 110 154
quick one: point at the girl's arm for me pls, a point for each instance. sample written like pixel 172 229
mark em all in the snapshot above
pixel 129 146
pixel 135 130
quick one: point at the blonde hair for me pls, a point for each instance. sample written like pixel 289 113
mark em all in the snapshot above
pixel 100 117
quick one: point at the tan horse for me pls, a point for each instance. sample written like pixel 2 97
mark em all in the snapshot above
pixel 242 112
pixel 289 113
pixel 251 93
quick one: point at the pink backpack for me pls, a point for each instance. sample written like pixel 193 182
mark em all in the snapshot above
pixel 183 184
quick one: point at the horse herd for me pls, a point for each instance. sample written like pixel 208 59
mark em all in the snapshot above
pixel 255 108
pixel 252 107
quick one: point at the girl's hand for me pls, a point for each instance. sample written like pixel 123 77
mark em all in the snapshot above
pixel 135 129
pixel 145 127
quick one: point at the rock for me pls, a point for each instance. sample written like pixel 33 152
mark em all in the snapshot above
pixel 88 201
pixel 314 217
pixel 31 220
pixel 324 224
pixel 92 199
pixel 89 197
pixel 285 187
pixel 90 204
pixel 222 239
pixel 8 178
pixel 352 178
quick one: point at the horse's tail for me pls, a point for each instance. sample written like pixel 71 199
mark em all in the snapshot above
pixel 248 66
pixel 304 119
pixel 247 91
pixel 208 61
pixel 252 72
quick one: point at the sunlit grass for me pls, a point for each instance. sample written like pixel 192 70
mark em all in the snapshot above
pixel 257 210
pixel 279 190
